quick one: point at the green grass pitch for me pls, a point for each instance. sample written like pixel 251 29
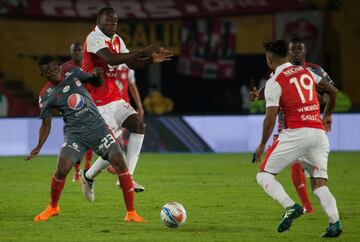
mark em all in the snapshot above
pixel 219 192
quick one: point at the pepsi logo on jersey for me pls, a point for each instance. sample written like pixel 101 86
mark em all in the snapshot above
pixel 76 101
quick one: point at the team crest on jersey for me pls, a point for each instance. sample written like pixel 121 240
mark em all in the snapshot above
pixel 50 90
pixel 78 83
pixel 67 74
pixel 76 101
pixel 66 89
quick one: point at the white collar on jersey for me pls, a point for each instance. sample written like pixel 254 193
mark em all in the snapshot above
pixel 281 67
pixel 98 30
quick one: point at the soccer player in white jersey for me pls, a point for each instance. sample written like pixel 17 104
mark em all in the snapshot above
pixel 292 89
pixel 104 48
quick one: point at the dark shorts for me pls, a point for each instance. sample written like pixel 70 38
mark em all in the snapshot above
pixel 101 141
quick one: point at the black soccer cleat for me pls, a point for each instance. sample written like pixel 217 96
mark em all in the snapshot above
pixel 333 231
pixel 291 213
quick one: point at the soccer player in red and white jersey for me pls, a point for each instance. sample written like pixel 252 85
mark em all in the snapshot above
pixel 104 48
pixel 75 61
pixel 292 89
pixel 126 82
pixel 297 54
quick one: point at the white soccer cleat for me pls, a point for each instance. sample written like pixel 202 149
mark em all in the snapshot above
pixel 137 186
pixel 87 186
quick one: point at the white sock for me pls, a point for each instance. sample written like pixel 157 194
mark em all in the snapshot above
pixel 328 203
pixel 133 151
pixel 275 190
pixel 99 165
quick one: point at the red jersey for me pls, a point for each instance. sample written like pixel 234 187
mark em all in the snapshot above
pixel 97 40
pixel 292 88
pixel 124 77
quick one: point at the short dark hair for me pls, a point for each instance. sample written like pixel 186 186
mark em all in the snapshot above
pixel 277 47
pixel 297 40
pixel 44 60
pixel 104 11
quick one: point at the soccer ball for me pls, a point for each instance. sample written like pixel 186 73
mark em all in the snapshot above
pixel 173 214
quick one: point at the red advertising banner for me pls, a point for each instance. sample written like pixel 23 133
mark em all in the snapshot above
pixel 147 9
pixel 208 49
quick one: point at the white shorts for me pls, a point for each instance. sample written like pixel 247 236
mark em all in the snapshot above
pixel 309 144
pixel 115 113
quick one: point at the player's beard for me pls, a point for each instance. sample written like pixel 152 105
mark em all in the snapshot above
pixel 297 62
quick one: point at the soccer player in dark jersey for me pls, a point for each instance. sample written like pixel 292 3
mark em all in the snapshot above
pixel 75 61
pixel 84 129
pixel 297 54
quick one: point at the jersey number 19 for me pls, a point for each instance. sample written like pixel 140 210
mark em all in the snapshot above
pixel 303 85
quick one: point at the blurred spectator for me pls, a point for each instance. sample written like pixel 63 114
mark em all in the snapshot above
pixel 343 102
pixel 245 102
pixel 156 103
pixel 3 105
pixel 258 106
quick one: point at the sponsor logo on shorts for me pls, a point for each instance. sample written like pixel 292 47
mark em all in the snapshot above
pixel 74 146
pixel 75 101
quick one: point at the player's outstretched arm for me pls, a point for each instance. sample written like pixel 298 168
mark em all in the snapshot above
pixel 44 132
pixel 157 56
pixel 127 58
pixel 94 78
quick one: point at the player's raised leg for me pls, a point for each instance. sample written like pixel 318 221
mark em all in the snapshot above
pixel 87 177
pixel 135 124
pixel 64 166
pixel 275 190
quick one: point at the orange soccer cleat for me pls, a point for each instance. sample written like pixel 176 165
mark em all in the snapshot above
pixel 134 217
pixel 47 213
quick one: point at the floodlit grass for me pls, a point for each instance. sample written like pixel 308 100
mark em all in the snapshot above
pixel 219 192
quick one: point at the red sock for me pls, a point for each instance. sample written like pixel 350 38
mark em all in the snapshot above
pixel 88 155
pixel 128 189
pixel 87 165
pixel 299 181
pixel 56 188
pixel 76 168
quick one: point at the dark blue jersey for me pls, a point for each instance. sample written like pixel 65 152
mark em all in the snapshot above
pixel 72 100
pixel 318 70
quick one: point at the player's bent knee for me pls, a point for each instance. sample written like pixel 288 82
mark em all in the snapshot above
pixel 139 126
pixel 317 183
pixel 63 168
pixel 118 162
pixel 262 178
pixel 135 124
